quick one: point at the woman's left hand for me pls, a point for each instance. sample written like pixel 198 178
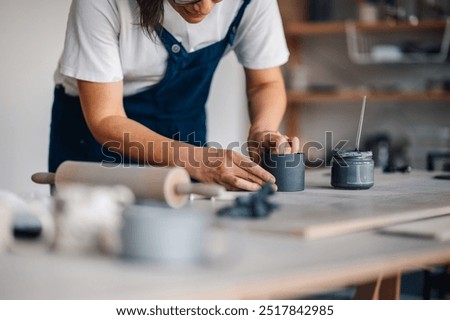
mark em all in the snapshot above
pixel 272 141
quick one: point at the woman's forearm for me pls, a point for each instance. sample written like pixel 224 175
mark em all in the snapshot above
pixel 132 139
pixel 267 99
pixel 267 104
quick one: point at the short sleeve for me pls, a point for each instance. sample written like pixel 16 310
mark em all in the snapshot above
pixel 260 41
pixel 91 49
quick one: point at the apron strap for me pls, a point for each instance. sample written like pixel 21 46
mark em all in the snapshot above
pixel 231 35
pixel 174 47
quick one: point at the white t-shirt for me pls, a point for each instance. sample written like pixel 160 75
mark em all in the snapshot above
pixel 104 42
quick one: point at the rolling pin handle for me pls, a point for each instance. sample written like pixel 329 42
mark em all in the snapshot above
pixel 207 190
pixel 43 178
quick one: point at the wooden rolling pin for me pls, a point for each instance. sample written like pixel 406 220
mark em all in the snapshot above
pixel 170 185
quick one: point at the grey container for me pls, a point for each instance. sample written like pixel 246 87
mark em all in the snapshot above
pixel 352 170
pixel 288 169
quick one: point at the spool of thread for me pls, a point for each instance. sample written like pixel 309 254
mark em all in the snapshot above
pixel 170 185
pixel 25 218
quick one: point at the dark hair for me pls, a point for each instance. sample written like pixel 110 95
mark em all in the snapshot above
pixel 151 15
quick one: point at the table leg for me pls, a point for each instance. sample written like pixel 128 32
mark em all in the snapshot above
pixel 390 287
pixel 368 291
pixel 448 275
pixel 384 288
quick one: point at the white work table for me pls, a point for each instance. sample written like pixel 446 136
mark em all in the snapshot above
pixel 322 211
pixel 277 258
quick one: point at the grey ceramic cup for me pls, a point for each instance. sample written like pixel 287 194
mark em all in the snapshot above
pixel 163 235
pixel 171 237
pixel 288 169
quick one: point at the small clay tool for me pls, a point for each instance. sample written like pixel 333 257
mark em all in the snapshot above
pixel 361 120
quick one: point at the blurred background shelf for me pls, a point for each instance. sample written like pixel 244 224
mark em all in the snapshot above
pixel 383 43
pixel 304 28
pixel 393 51
pixel 357 95
pixel 379 42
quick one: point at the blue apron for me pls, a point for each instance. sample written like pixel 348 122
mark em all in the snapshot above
pixel 174 107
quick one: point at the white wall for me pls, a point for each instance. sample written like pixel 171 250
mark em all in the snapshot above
pixel 32 36
pixel 228 120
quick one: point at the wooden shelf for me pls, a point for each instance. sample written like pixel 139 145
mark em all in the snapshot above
pixel 318 28
pixel 357 95
pixel 298 30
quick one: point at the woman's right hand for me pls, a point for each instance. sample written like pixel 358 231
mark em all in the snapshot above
pixel 228 168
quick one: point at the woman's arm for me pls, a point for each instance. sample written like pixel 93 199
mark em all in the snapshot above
pixel 103 110
pixel 267 104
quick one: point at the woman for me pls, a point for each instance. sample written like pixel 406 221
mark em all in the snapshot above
pixel 135 75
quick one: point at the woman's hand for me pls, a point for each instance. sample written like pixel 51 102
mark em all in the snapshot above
pixel 271 141
pixel 230 169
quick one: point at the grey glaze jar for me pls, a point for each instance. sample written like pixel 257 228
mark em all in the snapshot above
pixel 352 170
pixel 288 170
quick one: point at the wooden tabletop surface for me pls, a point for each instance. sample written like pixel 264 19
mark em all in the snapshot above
pixel 266 267
pixel 284 261
pixel 322 211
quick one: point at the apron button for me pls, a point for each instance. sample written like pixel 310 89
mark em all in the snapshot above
pixel 176 48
